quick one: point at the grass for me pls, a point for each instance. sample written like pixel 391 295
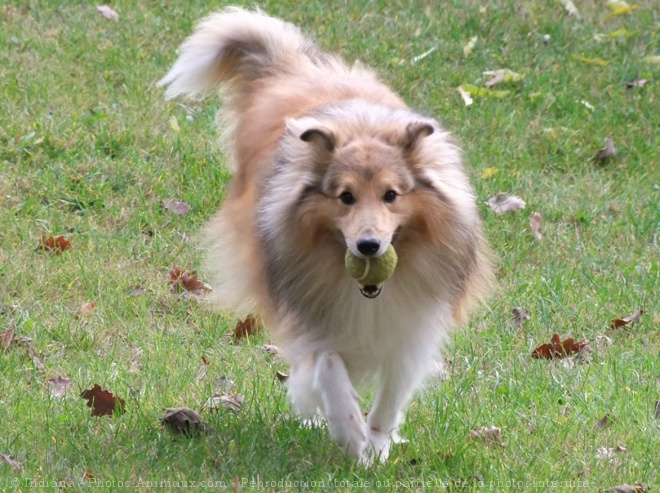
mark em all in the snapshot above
pixel 88 149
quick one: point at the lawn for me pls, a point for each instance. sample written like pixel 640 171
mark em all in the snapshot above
pixel 90 150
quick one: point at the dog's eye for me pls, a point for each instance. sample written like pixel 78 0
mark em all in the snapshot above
pixel 390 196
pixel 347 198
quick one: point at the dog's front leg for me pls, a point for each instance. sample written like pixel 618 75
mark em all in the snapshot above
pixel 395 389
pixel 340 403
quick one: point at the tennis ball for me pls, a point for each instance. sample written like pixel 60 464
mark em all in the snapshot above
pixel 371 270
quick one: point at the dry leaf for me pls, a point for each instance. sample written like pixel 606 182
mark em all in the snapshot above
pixel 626 488
pixel 504 202
pixel 281 376
pixel 502 75
pixel 467 49
pixel 36 359
pixel 652 59
pixel 620 10
pixel 13 463
pixel 248 327
pixel 7 337
pixel 637 83
pixel 205 360
pixel 55 244
pixel 187 284
pixel 108 13
pixel 520 316
pixel 175 206
pixel 59 386
pixel 602 341
pixel 228 401
pixel 557 348
pixel 89 475
pixel 102 402
pixel 602 423
pixel 609 452
pixel 617 323
pixel 86 310
pixel 489 434
pixel 590 61
pixel 467 99
pixel 571 8
pixel 484 92
pixel 223 385
pixel 272 350
pixel 656 409
pixel 607 152
pixel 535 223
pixel 489 173
pixel 184 421
pixel 136 291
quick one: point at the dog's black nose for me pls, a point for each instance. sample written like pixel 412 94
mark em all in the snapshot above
pixel 368 246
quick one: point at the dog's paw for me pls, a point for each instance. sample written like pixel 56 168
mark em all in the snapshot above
pixel 350 432
pixel 377 448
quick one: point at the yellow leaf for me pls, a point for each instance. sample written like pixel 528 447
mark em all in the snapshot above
pixel 618 33
pixel 467 49
pixel 509 75
pixel 174 125
pixel 591 61
pixel 483 92
pixel 620 10
pixel 489 173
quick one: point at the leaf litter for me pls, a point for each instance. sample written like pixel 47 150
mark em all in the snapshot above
pixel 617 323
pixel 558 348
pixel 184 421
pixel 607 152
pixel 503 202
pixel 54 244
pixel 102 402
pixel 187 284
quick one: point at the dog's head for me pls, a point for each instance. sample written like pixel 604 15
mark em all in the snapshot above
pixel 367 187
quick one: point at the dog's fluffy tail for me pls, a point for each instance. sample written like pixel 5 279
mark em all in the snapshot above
pixel 234 47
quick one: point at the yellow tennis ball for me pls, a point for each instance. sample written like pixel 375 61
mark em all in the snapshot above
pixel 371 270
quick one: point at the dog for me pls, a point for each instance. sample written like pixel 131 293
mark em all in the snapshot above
pixel 327 158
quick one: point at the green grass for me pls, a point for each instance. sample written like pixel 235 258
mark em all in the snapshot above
pixel 87 150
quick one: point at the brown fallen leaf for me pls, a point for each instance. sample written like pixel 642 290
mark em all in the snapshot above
pixel 223 385
pixel 504 202
pixel 187 284
pixel 557 348
pixel 520 316
pixel 89 475
pixel 626 488
pixel 178 207
pixel 36 359
pixel 108 13
pixel 184 421
pixel 637 83
pixel 13 463
pixel 86 309
pixel 488 435
pixel 603 422
pixel 55 244
pixel 228 401
pixel 272 350
pixel 607 152
pixel 656 409
pixel 102 402
pixel 248 327
pixel 7 337
pixel 205 360
pixel 59 386
pixel 535 223
pixel 617 323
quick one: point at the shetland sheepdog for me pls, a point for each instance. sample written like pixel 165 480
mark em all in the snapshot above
pixel 327 158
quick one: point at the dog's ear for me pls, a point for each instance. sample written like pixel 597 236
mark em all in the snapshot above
pixel 320 136
pixel 415 132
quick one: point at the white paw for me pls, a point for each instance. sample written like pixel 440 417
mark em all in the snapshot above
pixel 349 430
pixel 378 447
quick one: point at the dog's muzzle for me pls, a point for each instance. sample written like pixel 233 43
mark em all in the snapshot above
pixel 371 290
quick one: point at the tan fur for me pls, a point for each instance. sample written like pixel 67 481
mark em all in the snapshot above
pixel 302 128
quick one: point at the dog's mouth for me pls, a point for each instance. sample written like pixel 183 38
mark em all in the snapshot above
pixel 371 290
